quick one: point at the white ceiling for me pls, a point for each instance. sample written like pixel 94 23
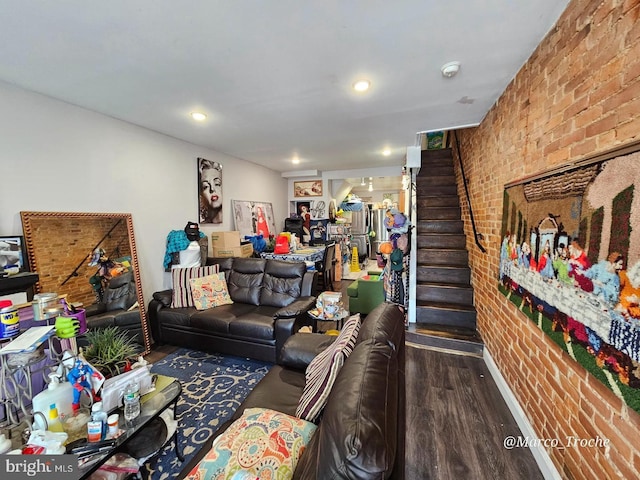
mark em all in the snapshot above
pixel 274 77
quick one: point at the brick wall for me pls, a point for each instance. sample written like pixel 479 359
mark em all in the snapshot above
pixel 578 95
pixel 62 244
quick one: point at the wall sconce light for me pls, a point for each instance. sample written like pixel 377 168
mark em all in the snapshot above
pixel 370 186
pixel 362 184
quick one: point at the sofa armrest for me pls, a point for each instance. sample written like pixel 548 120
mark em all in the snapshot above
pixel 298 306
pixel 301 348
pixel 164 297
pixel 308 282
pixel 289 319
pixel 95 309
pixel 159 301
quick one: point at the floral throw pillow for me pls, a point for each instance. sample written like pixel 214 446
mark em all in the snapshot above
pixel 210 291
pixel 262 443
pixel 181 296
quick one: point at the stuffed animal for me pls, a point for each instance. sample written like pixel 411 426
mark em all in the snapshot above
pixel 396 222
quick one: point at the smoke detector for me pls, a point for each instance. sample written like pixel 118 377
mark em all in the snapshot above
pixel 450 69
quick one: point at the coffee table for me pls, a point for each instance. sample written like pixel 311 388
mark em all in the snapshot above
pixel 152 405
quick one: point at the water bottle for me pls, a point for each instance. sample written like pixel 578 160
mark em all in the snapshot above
pixel 131 401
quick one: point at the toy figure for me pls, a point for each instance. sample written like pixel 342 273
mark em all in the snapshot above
pixel 79 377
pixel 107 269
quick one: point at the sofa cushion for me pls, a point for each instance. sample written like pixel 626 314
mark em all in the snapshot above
pixel 210 291
pixel 258 324
pixel 282 283
pixel 385 328
pixel 218 319
pixel 280 390
pixel 300 349
pixel 323 371
pixel 181 297
pixel 245 280
pixel 120 293
pixel 262 443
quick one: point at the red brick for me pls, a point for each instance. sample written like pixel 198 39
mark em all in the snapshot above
pixel 627 94
pixel 605 124
pixel 629 130
pixel 580 63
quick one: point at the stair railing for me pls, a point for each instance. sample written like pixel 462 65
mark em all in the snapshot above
pixel 477 236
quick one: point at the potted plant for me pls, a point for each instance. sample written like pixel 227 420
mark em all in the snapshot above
pixel 110 350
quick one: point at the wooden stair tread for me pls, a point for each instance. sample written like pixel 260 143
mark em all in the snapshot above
pixel 446 306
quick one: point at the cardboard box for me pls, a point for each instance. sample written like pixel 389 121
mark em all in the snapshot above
pixel 241 251
pixel 225 240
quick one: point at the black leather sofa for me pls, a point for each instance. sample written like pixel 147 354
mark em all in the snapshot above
pixel 118 297
pixel 268 295
pixel 361 433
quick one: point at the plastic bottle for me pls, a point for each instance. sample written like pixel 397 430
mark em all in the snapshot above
pixel 58 393
pixel 5 444
pixel 131 401
pixel 54 424
pixel 99 415
pixel 9 321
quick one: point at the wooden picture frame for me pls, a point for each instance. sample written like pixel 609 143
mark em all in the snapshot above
pixel 307 188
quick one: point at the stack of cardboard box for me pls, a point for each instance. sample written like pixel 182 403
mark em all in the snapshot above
pixel 227 244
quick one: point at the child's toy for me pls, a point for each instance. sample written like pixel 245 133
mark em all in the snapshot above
pixel 80 377
pixel 396 222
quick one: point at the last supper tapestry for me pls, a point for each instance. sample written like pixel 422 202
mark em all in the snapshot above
pixel 570 261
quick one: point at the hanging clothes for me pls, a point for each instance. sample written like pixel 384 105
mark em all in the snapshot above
pixel 396 279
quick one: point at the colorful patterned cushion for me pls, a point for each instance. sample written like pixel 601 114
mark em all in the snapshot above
pixel 210 291
pixel 181 297
pixel 321 373
pixel 262 443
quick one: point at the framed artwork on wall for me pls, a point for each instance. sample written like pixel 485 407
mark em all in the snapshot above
pixel 13 253
pixel 253 218
pixel 570 261
pixel 311 188
pixel 209 191
pixel 304 212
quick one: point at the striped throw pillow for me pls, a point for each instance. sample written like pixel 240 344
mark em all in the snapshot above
pixel 181 297
pixel 323 370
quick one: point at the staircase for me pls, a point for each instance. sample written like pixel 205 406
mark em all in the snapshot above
pixel 445 312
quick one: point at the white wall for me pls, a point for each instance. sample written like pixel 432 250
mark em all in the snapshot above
pixel 57 157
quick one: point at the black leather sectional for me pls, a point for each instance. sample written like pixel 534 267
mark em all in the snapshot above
pixel 361 432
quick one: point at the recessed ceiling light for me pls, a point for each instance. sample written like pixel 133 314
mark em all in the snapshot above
pixel 295 160
pixel 361 85
pixel 198 116
pixel 386 152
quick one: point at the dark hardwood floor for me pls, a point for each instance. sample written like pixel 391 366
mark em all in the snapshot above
pixel 457 421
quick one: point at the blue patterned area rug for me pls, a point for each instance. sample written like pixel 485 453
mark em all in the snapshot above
pixel 213 386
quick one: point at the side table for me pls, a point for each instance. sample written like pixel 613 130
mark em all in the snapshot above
pixel 338 318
